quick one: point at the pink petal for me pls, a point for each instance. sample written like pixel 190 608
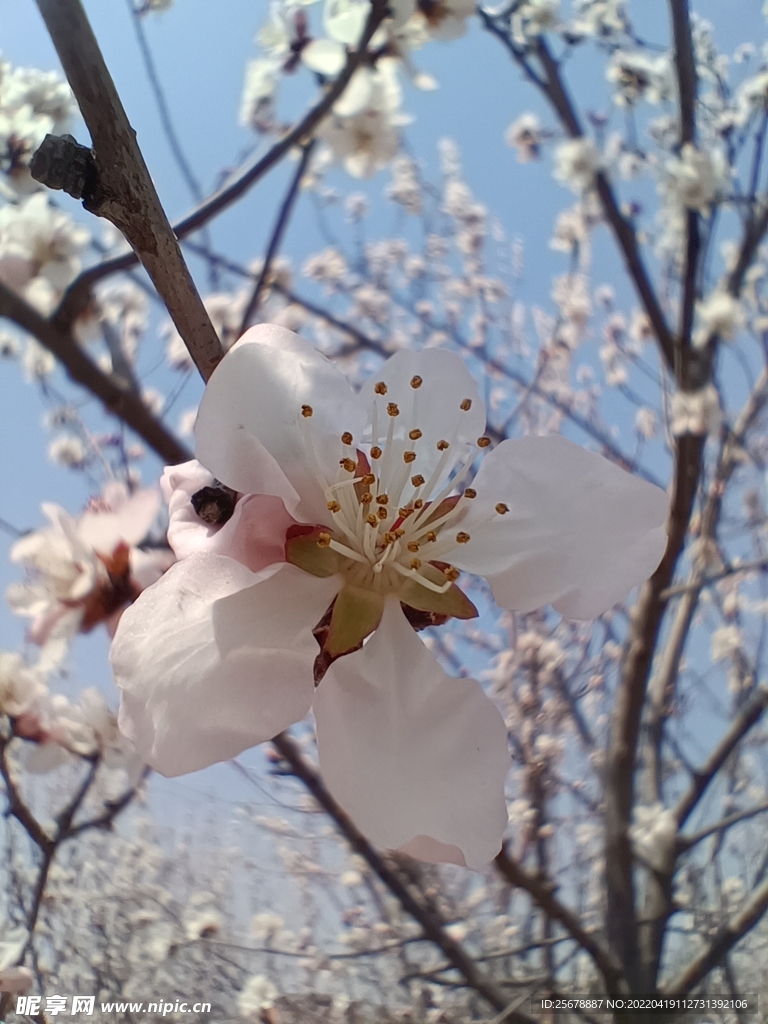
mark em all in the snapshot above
pixel 130 523
pixel 579 534
pixel 186 702
pixel 434 407
pixel 416 757
pixel 250 431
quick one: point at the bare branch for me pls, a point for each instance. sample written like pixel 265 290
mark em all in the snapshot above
pixel 276 239
pixel 543 894
pixel 739 925
pixel 124 192
pixel 685 843
pixel 749 715
pixel 120 401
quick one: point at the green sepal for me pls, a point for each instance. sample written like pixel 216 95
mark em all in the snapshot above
pixel 303 551
pixel 453 602
pixel 356 613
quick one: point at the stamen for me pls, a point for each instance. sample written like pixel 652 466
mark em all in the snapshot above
pixel 404 511
pixel 382 512
pixel 306 411
pixel 451 574
pixel 393 409
pixel 382 499
pixel 417 480
pixel 371 520
pixel 466 404
pixel 443 446
pixel 368 479
pixel 380 388
pixel 375 452
pixel 333 506
pixel 348 464
pixel 414 434
pixel 483 442
pixel 462 537
pixel 367 498
pixel 324 540
pixel 431 536
pixel 501 508
pixel 418 503
pixel 346 437
pixel 415 563
pixel 347 552
pixel 416 382
pixel 413 546
pixel 412 574
pixel 409 457
pixel 470 492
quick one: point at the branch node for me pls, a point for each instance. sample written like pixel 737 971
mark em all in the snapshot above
pixel 62 163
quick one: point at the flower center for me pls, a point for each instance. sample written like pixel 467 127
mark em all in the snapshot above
pixel 388 522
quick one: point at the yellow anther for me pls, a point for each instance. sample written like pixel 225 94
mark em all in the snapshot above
pixel 324 540
pixel 419 503
pixel 333 506
pixel 348 464
pixel 442 446
pixel 346 437
pixel 387 539
pixel 375 452
pixel 414 434
pixel 483 442
pixel 451 574
pixel 368 479
pixel 501 508
pixel 462 538
pixel 399 532
pixel 415 563
pixel 382 512
pixel 416 382
pixel 409 457
pixel 470 492
pixel 392 409
pixel 413 546
pixel 417 480
pixel 382 499
pixel 306 411
pixel 431 536
pixel 466 404
pixel 366 498
pixel 380 388
pixel 372 520
pixel 405 511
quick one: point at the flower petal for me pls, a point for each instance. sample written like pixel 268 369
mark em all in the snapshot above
pixel 186 702
pixel 579 534
pixel 434 407
pixel 250 431
pixel 130 522
pixel 416 757
pixel 325 56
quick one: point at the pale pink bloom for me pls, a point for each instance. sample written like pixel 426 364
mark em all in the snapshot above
pixel 220 654
pixel 83 571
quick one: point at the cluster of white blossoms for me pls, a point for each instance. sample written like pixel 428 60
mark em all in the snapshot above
pixel 356 517
pixel 362 131
pixel 33 103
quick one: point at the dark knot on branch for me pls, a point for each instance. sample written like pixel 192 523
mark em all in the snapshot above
pixel 62 163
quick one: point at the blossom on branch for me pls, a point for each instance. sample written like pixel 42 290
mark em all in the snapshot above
pixel 356 518
pixel 84 571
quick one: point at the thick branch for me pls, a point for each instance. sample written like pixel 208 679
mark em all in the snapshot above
pixel 622 753
pixel 122 402
pixel 125 193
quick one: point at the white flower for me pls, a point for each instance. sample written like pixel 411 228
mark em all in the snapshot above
pixel 696 177
pixel 720 314
pixel 525 135
pixel 638 76
pixel 20 685
pixel 261 78
pixel 68 451
pixel 696 412
pixel 725 641
pixel 534 17
pixel 576 163
pixel 259 994
pixel 37 240
pixel 223 652
pixel 82 571
pixel 37 363
pixel 12 944
pixel 598 18
pixel 653 834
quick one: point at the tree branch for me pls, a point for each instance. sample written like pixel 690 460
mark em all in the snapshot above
pixel 123 191
pixel 76 296
pixel 120 401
